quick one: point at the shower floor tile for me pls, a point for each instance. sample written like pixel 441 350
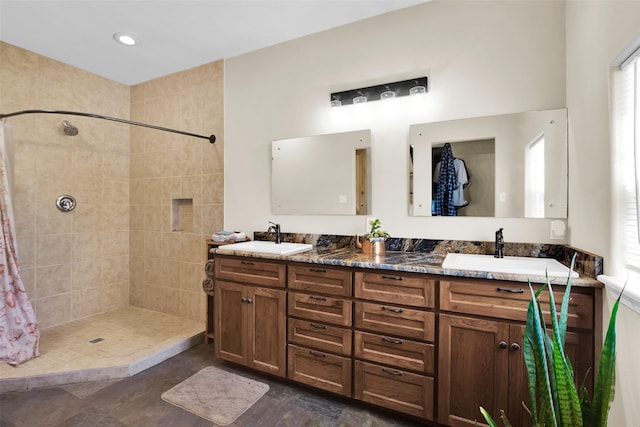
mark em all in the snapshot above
pixel 67 354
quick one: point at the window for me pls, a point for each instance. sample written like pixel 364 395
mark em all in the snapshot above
pixel 534 179
pixel 626 176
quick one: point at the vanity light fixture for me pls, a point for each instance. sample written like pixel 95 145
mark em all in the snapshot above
pixel 359 98
pixel 384 91
pixel 418 89
pixel 387 94
pixel 126 39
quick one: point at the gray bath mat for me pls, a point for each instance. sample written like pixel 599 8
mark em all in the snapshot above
pixel 216 395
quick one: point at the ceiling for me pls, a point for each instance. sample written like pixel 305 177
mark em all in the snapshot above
pixel 174 35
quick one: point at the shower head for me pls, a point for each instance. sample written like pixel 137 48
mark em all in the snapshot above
pixel 69 129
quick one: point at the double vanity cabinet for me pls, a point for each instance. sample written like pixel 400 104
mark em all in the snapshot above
pixel 431 346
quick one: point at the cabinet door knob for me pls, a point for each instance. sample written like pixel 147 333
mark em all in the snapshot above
pixel 503 345
pixel 244 299
pixel 249 300
pixel 515 346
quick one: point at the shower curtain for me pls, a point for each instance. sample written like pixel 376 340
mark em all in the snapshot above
pixel 19 332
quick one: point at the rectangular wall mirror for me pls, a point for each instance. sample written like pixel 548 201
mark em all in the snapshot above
pixel 322 174
pixel 507 166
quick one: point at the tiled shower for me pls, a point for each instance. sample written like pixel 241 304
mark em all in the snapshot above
pixel 118 247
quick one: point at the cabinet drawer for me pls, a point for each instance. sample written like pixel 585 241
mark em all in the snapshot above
pixel 394 389
pixel 320 308
pixel 251 271
pixel 397 352
pixel 321 370
pixel 394 320
pixel 321 279
pixel 393 288
pixel 320 336
pixel 510 300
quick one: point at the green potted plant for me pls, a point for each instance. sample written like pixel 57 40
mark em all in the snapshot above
pixel 554 398
pixel 373 242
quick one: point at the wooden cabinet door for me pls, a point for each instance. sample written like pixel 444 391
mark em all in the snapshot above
pixel 230 322
pixel 472 369
pixel 267 330
pixel 579 349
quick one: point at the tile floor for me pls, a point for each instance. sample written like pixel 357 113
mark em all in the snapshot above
pixel 111 345
pixel 135 401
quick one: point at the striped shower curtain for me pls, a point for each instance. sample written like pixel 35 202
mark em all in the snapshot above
pixel 19 332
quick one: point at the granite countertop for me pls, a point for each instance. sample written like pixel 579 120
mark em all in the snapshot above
pixel 414 262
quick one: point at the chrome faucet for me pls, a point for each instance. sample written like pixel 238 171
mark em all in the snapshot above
pixel 275 228
pixel 499 244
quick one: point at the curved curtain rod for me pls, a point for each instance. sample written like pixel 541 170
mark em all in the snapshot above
pixel 211 138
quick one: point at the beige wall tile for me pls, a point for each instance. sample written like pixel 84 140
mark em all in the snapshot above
pixel 116 270
pixel 53 310
pixel 116 191
pixel 115 243
pixel 86 274
pixel 53 280
pixel 171 301
pixel 152 245
pixel 86 302
pixel 52 249
pixel 152 298
pixel 87 246
pixel 192 276
pixel 171 274
pixel 213 189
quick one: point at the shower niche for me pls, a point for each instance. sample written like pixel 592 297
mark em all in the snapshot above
pixel 182 215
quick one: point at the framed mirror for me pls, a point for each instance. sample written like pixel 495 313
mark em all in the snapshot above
pixel 506 166
pixel 322 174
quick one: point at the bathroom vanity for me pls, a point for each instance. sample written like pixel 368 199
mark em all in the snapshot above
pixel 397 331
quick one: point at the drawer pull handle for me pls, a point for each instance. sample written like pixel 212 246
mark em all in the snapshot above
pixel 511 291
pixel 315 325
pixel 392 372
pixel 318 270
pixel 393 310
pixel 313 297
pixel 391 340
pixel 393 277
pixel 246 263
pixel 316 354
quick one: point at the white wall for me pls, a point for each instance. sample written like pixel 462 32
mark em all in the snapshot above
pixel 596 32
pixel 482 58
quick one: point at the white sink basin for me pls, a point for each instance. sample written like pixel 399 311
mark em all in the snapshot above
pixel 508 264
pixel 266 247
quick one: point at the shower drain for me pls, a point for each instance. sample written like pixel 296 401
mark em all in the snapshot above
pixel 95 340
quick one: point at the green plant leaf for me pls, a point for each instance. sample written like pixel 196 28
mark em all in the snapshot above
pixel 568 403
pixel 605 381
pixel 543 383
pixel 487 417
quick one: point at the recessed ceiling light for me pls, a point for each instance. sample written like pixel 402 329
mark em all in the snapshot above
pixel 125 39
